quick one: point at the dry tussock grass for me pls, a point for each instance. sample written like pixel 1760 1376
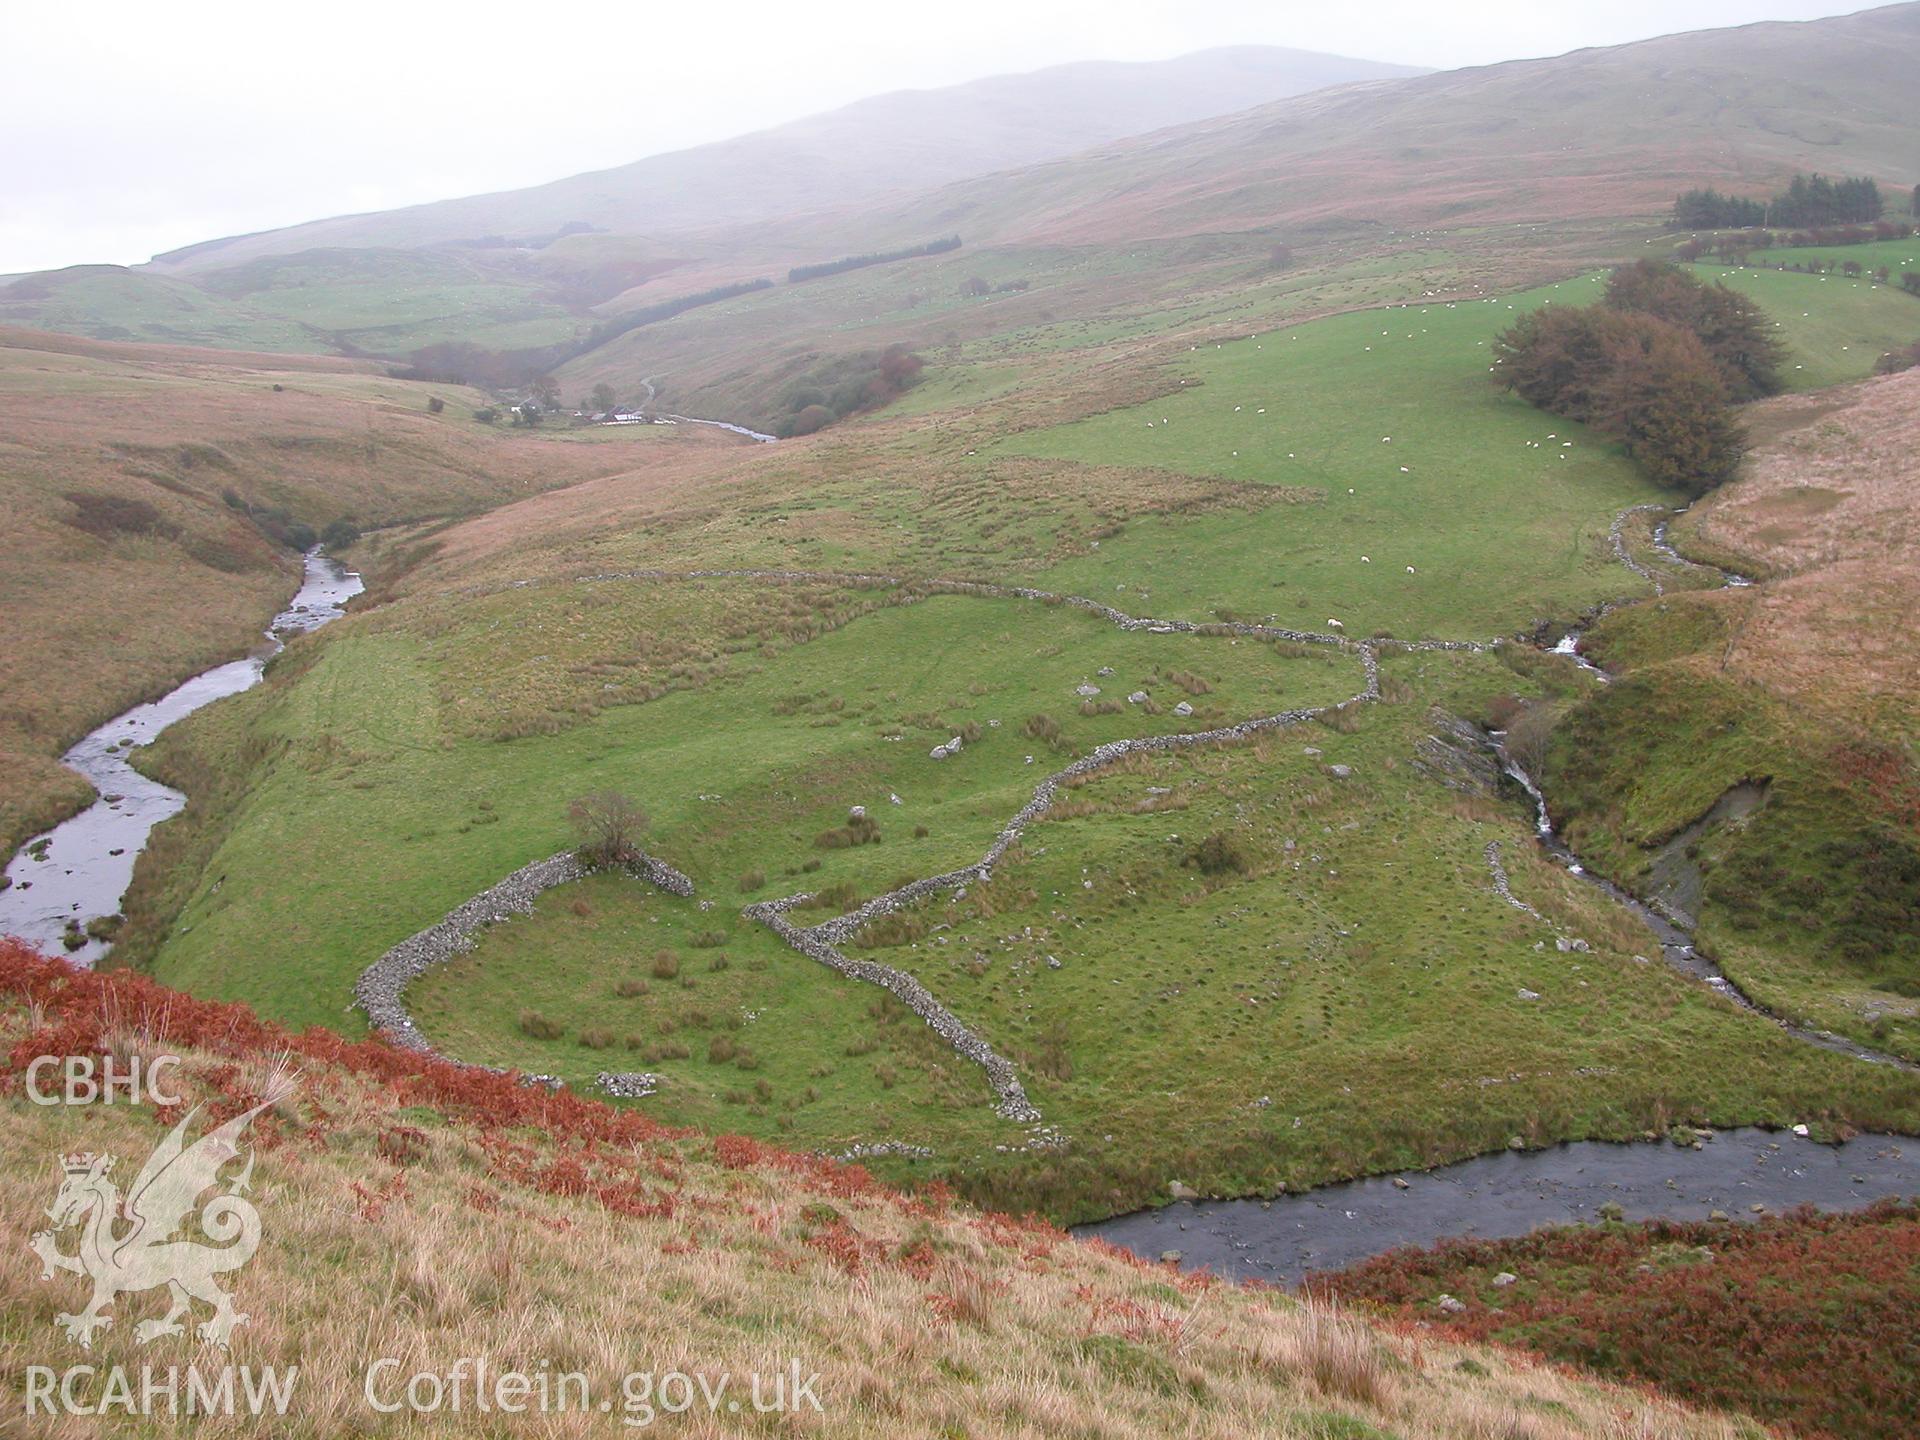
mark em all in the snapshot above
pixel 1829 503
pixel 428 1236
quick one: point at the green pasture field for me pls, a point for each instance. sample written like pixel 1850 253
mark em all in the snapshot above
pixel 1346 996
pixel 1502 511
pixel 1896 255
pixel 1413 457
pixel 395 301
pixel 1835 327
pixel 404 806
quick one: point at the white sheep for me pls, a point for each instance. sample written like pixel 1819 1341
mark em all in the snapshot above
pixel 1333 624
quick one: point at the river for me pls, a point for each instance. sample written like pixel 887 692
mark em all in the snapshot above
pixel 1500 1196
pixel 81 869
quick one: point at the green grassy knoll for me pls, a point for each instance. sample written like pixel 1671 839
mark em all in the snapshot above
pixel 107 302
pixel 1807 902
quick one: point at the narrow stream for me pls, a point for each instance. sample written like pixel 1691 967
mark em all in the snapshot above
pixel 80 870
pixel 727 425
pixel 1509 1194
pixel 723 425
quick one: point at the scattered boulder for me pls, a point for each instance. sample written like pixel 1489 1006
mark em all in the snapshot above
pixel 627 1084
pixel 1505 1278
pixel 1450 1306
pixel 1340 772
pixel 1180 1191
pixel 1183 709
pixel 1138 697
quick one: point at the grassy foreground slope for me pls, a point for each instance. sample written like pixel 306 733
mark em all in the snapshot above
pixel 126 566
pixel 1836 327
pixel 425 1214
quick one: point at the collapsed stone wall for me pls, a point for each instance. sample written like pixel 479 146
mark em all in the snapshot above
pixel 1501 885
pixel 816 944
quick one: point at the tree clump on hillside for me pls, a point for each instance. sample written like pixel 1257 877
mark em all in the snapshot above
pixel 1710 210
pixel 1658 364
pixel 846 386
pixel 1807 200
pixel 1735 332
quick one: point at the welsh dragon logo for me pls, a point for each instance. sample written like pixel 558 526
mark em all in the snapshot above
pixel 128 1244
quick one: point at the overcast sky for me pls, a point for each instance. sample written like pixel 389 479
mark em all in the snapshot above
pixel 132 129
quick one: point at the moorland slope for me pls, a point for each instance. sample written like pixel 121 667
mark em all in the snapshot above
pixel 1601 132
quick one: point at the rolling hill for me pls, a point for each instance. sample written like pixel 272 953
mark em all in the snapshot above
pixel 911 139
pixel 1600 132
